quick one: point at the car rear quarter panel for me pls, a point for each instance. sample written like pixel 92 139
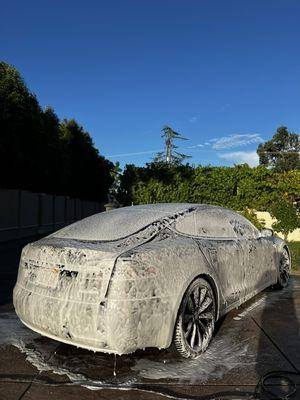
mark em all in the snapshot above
pixel 153 279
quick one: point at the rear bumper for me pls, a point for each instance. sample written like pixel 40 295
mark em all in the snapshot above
pixel 78 323
pixel 67 341
pixel 118 326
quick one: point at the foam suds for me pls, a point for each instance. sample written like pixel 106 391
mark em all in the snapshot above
pixel 85 294
pixel 93 287
pixel 41 353
pixel 13 332
pixel 222 356
pixel 122 295
pixel 115 365
pixel 257 303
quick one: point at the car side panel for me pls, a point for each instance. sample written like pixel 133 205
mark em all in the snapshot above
pixel 229 260
pixel 155 278
pixel 262 266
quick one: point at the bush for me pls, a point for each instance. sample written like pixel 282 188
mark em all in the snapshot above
pixel 239 187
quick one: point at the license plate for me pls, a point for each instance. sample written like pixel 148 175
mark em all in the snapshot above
pixel 47 278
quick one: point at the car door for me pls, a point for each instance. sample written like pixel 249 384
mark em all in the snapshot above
pixel 260 268
pixel 226 256
pixel 222 249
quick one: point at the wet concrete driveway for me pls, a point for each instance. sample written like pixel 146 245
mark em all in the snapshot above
pixel 263 335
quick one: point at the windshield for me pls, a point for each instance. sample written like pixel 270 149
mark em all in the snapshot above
pixel 119 223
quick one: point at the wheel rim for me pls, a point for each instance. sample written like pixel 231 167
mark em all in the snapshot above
pixel 284 268
pixel 198 318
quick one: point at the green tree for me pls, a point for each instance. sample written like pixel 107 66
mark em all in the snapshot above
pixel 39 153
pixel 53 161
pixel 116 179
pixel 170 156
pixel 287 217
pixel 88 173
pixel 251 216
pixel 21 133
pixel 239 187
pixel 282 152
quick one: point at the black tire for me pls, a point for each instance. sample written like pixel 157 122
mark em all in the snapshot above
pixel 284 270
pixel 195 320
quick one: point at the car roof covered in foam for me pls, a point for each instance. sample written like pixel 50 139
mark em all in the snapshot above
pixel 122 222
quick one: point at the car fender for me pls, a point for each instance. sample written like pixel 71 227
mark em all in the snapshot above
pixel 179 261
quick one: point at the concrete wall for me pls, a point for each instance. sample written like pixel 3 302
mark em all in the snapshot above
pixel 266 218
pixel 25 213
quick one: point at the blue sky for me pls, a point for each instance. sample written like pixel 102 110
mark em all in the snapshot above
pixel 225 74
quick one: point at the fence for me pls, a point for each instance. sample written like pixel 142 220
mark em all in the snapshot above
pixel 25 213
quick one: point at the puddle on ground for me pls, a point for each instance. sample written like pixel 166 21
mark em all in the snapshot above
pixel 221 356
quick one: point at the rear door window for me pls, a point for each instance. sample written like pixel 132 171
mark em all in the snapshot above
pixel 211 222
pixel 243 228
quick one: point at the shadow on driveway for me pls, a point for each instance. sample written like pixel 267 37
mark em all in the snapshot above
pixel 279 342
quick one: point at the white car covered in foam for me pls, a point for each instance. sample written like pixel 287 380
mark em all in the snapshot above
pixel 146 276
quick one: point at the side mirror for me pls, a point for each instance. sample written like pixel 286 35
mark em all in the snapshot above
pixel 267 232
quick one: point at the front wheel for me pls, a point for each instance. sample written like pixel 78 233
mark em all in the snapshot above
pixel 195 320
pixel 284 270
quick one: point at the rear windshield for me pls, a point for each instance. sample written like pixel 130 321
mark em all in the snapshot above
pixel 117 224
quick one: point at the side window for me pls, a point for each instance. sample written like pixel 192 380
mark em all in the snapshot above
pixel 186 225
pixel 211 222
pixel 243 228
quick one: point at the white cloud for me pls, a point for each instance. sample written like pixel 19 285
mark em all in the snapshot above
pixel 213 145
pixel 196 146
pixel 193 119
pixel 237 140
pixel 241 157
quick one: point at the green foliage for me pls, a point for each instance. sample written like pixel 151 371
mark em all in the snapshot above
pixel 282 152
pixel 116 178
pixel 251 216
pixel 286 216
pixel 21 121
pixel 88 173
pixel 39 153
pixel 241 188
pixel 294 248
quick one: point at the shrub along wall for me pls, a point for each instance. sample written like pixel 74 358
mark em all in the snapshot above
pixel 240 187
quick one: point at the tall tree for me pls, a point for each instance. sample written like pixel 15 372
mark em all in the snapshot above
pixel 116 177
pixel 282 152
pixel 38 153
pixel 22 137
pixel 53 161
pixel 170 156
pixel 88 173
pixel 287 217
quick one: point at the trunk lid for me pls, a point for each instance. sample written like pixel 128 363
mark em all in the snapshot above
pixel 69 270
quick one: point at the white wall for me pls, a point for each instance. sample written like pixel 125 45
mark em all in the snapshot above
pixel 265 217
